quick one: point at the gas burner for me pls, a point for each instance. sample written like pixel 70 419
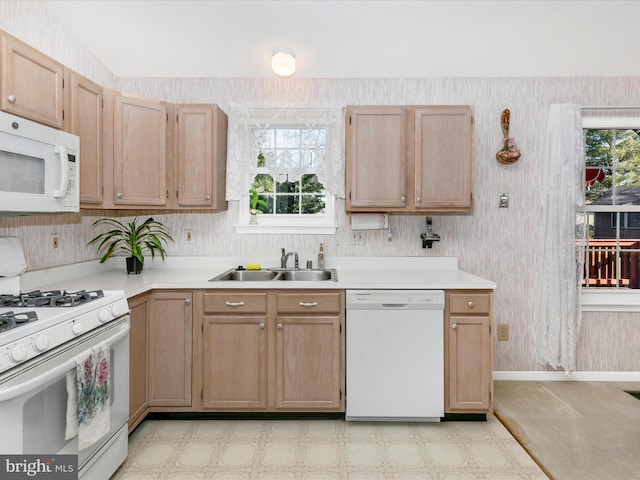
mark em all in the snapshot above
pixel 9 320
pixel 50 298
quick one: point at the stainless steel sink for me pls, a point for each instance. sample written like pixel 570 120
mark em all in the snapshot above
pixel 308 275
pixel 245 276
pixel 277 274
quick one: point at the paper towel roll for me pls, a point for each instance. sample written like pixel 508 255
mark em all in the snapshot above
pixel 369 221
pixel 12 261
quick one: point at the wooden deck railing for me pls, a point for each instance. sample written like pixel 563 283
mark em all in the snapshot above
pixel 601 259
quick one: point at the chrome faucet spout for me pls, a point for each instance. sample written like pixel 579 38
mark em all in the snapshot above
pixel 285 257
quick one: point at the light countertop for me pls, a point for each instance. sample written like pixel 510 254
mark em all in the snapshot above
pixel 423 273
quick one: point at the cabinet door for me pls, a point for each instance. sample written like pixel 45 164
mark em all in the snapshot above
pixel 469 363
pixel 138 365
pixel 376 173
pixel 170 349
pixel 308 363
pixel 85 112
pixel 235 366
pixel 444 158
pixel 31 84
pixel 139 157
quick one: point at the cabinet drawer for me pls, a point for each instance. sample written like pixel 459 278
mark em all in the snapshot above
pixel 470 303
pixel 231 302
pixel 309 302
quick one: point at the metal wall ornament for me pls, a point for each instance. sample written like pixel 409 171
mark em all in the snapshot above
pixel 509 152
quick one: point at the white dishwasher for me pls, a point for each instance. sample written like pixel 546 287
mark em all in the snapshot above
pixel 395 355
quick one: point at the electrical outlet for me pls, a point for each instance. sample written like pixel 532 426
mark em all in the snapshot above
pixel 55 242
pixel 188 234
pixel 503 332
pixel 358 238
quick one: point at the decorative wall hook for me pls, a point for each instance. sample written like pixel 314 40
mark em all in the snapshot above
pixel 509 152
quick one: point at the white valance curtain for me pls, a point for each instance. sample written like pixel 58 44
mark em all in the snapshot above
pixel 560 253
pixel 245 127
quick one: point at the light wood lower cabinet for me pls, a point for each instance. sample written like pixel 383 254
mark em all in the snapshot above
pixel 170 351
pixel 138 364
pixel 269 351
pixel 468 351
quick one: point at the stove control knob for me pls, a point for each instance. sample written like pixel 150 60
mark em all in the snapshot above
pixel 18 353
pixel 41 343
pixel 76 328
pixel 116 310
pixel 104 315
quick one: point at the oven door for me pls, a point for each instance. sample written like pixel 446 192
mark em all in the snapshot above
pixel 33 396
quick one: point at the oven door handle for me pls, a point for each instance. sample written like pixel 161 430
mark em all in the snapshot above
pixel 13 391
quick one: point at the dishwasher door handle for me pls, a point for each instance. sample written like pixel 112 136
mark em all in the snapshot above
pixel 395 306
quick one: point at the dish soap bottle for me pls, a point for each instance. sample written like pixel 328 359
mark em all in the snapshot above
pixel 321 257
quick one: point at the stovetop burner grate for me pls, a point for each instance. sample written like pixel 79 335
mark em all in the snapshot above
pixel 50 298
pixel 10 319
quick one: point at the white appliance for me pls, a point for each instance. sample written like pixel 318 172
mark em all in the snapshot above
pixel 395 355
pixel 40 168
pixel 42 334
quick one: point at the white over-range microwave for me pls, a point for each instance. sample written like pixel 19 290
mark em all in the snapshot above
pixel 39 168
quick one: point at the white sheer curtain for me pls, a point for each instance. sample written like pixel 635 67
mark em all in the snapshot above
pixel 245 125
pixel 561 251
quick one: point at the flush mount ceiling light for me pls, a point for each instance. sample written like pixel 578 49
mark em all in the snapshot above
pixel 283 63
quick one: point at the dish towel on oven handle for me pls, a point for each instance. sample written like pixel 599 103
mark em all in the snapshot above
pixel 88 396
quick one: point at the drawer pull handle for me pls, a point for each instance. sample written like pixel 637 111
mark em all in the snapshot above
pixel 308 304
pixel 12 98
pixel 207 197
pixel 234 304
pixel 470 304
pixel 262 326
pixel 454 326
pixel 279 326
pixel 187 301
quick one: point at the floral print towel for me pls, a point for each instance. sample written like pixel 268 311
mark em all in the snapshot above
pixel 88 389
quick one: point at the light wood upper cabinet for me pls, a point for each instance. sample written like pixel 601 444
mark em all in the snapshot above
pixel 170 348
pixel 84 118
pixel 410 159
pixel 377 155
pixel 468 347
pixel 199 153
pixel 136 166
pixel 31 84
pixel 444 159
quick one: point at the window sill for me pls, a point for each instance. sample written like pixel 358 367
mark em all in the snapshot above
pixel 610 300
pixel 285 229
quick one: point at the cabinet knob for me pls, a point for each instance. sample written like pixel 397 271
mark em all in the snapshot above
pixel 419 199
pixel 207 197
pixel 403 199
pixel 262 326
pixel 279 326
pixel 470 305
pixel 119 195
pixel 11 98
pixel 454 326
pixel 187 301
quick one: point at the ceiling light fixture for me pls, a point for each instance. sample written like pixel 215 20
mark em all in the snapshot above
pixel 283 63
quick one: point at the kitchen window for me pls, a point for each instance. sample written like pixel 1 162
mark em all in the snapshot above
pixel 293 159
pixel 612 204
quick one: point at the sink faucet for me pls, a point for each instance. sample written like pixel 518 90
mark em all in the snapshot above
pixel 285 256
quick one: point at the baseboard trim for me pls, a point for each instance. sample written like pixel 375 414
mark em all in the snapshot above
pixel 564 377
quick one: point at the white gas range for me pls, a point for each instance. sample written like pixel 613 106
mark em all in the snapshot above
pixel 45 339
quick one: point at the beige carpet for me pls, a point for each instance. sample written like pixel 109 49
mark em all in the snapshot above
pixel 574 430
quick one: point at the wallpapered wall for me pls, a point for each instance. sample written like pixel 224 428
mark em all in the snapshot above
pixel 492 243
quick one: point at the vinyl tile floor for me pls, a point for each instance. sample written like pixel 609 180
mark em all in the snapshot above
pixel 318 449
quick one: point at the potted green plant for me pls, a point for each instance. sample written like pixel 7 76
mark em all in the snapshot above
pixel 133 239
pixel 254 201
